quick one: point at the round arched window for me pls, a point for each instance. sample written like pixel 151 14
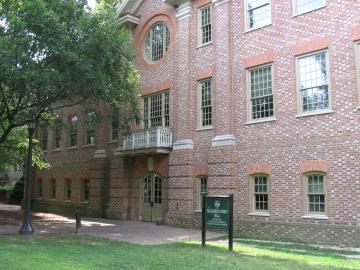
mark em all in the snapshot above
pixel 157 42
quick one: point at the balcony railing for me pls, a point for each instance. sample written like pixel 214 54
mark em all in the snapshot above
pixel 157 137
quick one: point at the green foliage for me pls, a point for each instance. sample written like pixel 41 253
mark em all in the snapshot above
pixel 56 54
pixel 13 152
pixel 17 192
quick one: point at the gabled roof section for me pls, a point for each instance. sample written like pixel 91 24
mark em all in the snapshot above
pixel 128 7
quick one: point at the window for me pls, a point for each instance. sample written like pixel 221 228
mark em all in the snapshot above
pixel 260 83
pixel 156 110
pixel 302 6
pixel 315 186
pixel 85 190
pixel 39 188
pixel 201 188
pixel 90 128
pixel 57 134
pixel 53 189
pixel 313 82
pixel 260 196
pixel 43 136
pixel 73 131
pixel 156 42
pixel 114 125
pixel 205 104
pixel 258 13
pixel 67 190
pixel 205 35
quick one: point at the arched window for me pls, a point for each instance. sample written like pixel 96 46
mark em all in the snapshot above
pixel 157 42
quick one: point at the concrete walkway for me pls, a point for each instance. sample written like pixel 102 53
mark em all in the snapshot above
pixel 143 233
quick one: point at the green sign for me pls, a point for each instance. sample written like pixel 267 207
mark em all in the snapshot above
pixel 217 213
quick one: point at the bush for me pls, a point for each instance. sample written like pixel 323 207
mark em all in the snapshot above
pixel 17 192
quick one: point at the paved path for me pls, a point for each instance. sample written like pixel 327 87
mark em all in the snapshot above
pixel 143 233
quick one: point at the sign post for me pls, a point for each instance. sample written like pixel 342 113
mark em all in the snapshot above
pixel 217 215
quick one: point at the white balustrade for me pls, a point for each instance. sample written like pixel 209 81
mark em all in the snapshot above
pixel 157 137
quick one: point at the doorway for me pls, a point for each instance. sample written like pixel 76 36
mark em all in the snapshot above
pixel 151 199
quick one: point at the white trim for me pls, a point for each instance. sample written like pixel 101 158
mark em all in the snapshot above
pixel 101 153
pixel 248 95
pixel 200 44
pixel 264 120
pixel 311 113
pixel 322 217
pixel 130 19
pixel 204 128
pixel 184 11
pixel 295 13
pixel 300 111
pixel 259 214
pixel 247 27
pixel 200 115
pixel 185 144
pixel 256 28
pixel 219 2
pixel 223 140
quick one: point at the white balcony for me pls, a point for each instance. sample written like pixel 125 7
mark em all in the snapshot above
pixel 151 140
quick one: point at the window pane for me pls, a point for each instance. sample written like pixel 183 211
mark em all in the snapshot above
pixel 90 127
pixel 115 124
pixel 307 5
pixel 314 82
pixel 44 136
pixel 260 193
pixel 205 25
pixel 73 131
pixel 259 13
pixel 206 106
pixel 157 42
pixel 262 103
pixel 57 134
pixel 157 110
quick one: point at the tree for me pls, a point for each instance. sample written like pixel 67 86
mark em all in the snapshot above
pixel 57 53
pixel 13 152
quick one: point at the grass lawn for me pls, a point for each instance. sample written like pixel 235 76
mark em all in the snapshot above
pixel 85 252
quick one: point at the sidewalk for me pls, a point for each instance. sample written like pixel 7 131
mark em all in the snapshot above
pixel 143 233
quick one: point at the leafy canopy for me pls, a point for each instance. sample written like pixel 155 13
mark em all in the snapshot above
pixel 57 53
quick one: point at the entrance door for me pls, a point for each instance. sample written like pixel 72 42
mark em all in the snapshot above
pixel 151 200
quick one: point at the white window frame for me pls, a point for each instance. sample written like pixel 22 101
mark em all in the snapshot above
pixel 295 8
pixel 163 118
pixel 298 88
pixel 198 189
pixel 76 129
pixel 357 62
pixel 87 128
pixel 200 41
pixel 246 14
pixel 150 35
pixel 248 95
pixel 253 210
pixel 200 114
pixel 307 213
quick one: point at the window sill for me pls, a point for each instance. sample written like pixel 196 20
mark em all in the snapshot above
pixel 358 108
pixel 204 128
pixel 314 113
pixel 198 211
pixel 204 45
pixel 257 28
pixel 88 145
pixel 259 214
pixel 67 201
pixel 260 121
pixel 39 198
pixel 322 217
pixel 71 148
pixel 307 11
pixel 57 150
pixel 111 142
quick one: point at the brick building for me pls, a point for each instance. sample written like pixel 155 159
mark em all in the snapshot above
pixel 259 98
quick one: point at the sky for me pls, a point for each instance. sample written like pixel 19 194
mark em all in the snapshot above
pixel 92 3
